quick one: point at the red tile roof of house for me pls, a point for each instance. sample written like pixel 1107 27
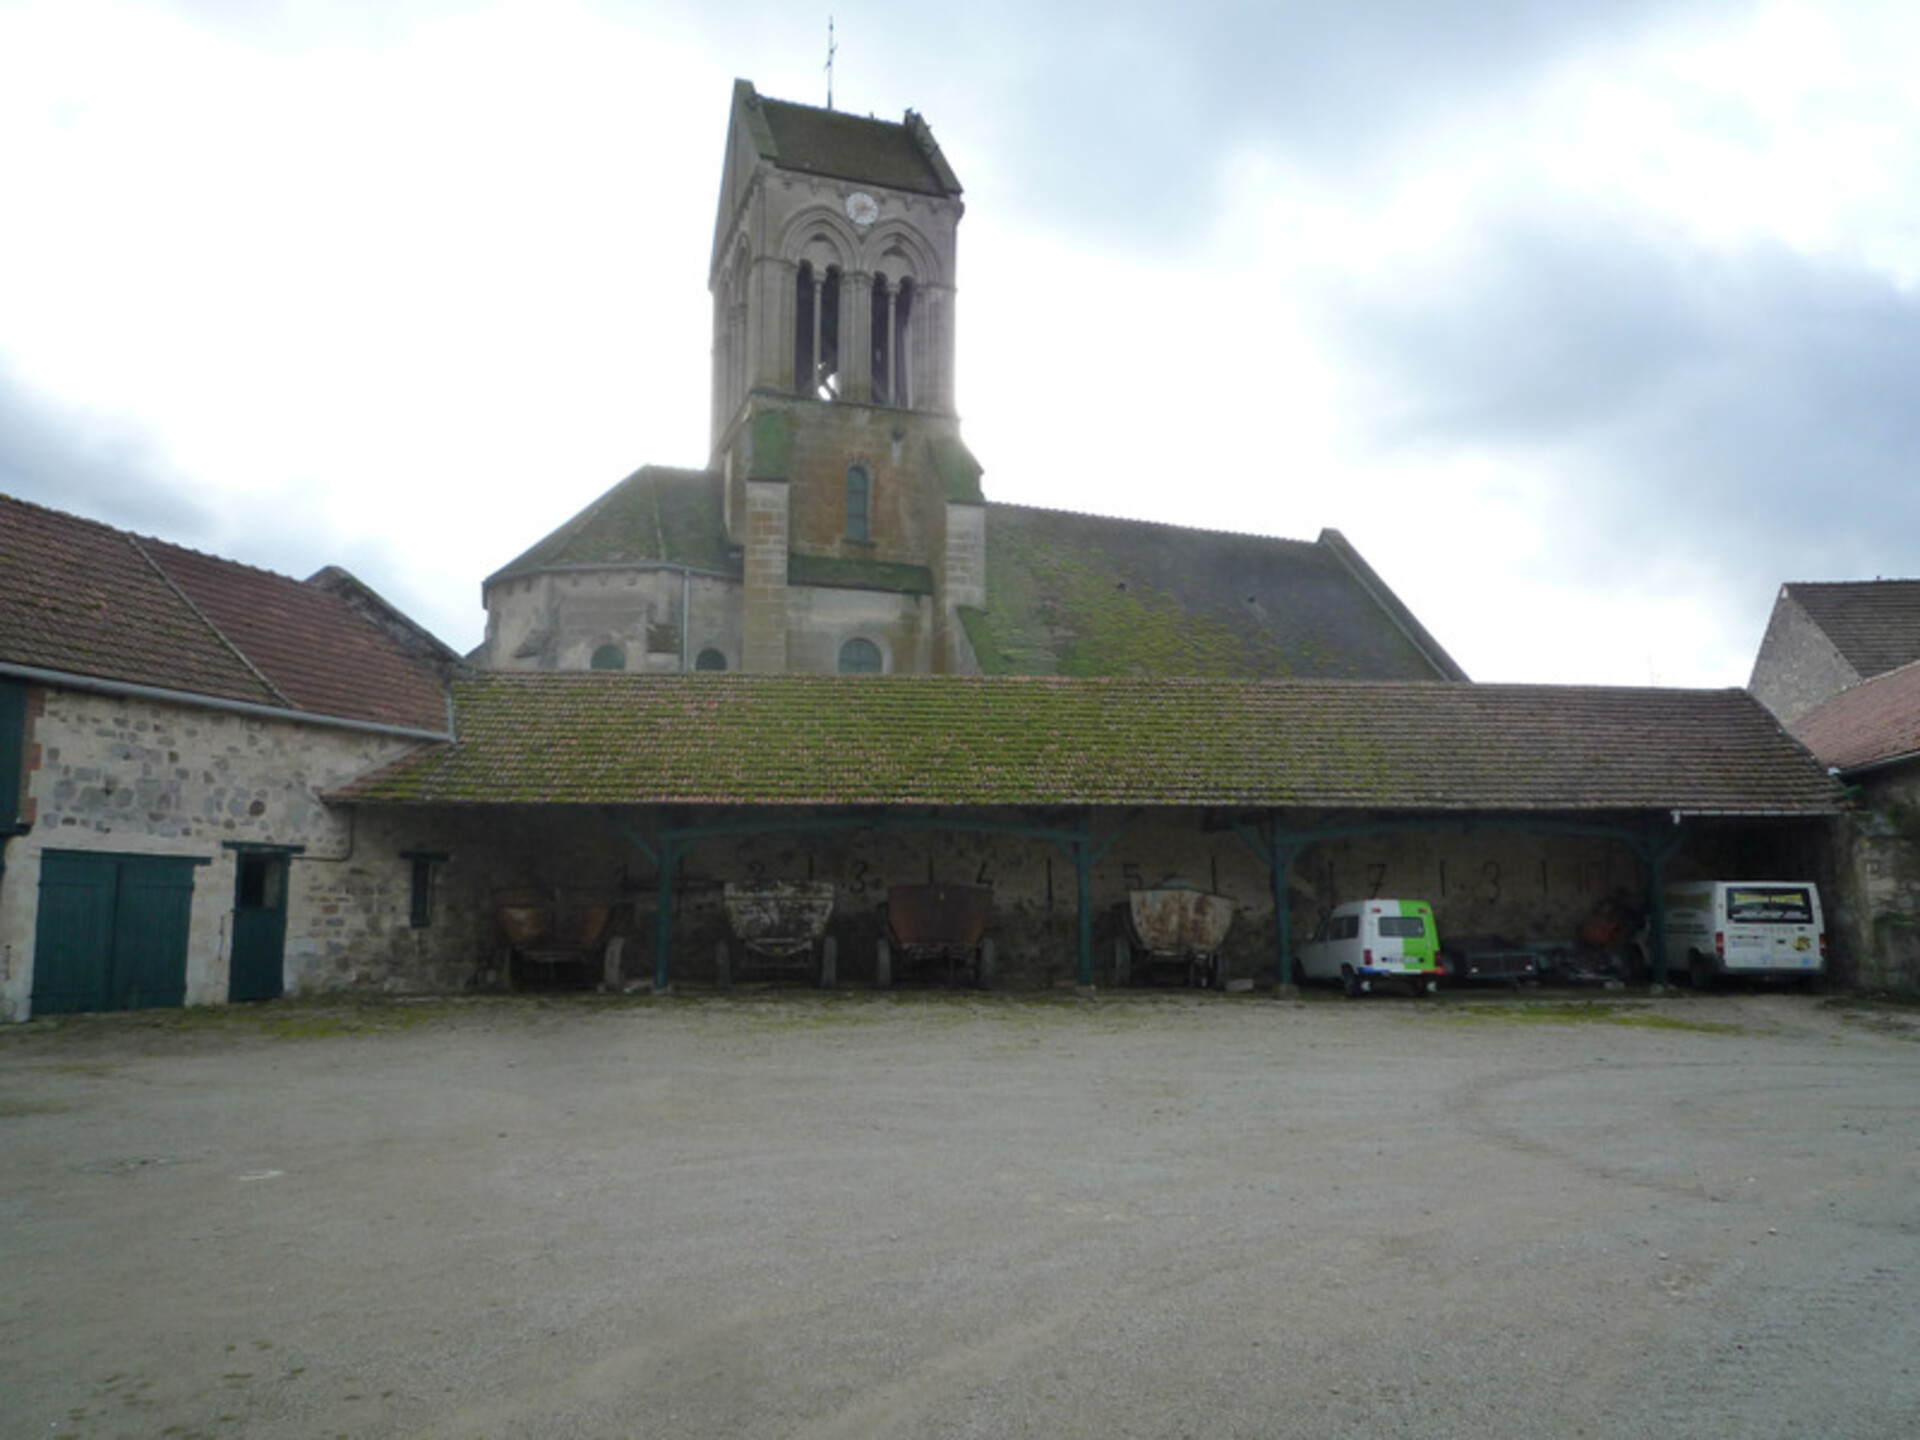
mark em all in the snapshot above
pixel 1868 724
pixel 1416 746
pixel 82 599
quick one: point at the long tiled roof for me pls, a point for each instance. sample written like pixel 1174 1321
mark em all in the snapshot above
pixel 598 738
pixel 1874 624
pixel 1867 724
pixel 83 599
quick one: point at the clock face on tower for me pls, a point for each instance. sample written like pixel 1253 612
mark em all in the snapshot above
pixel 862 208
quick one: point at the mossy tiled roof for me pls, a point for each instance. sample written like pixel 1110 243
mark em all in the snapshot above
pixel 597 738
pixel 1071 594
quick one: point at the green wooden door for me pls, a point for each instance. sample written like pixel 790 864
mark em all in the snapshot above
pixel 259 926
pixel 112 931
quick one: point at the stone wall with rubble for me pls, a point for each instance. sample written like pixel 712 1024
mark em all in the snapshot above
pixel 1875 910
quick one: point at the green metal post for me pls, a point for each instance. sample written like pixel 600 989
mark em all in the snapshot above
pixel 669 856
pixel 1083 882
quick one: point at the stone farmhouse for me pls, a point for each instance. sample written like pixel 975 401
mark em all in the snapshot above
pixel 1869 734
pixel 822 677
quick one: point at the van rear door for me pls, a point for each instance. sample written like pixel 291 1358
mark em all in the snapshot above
pixel 1772 927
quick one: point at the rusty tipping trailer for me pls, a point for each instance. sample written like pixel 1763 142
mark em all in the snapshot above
pixel 1174 931
pixel 778 928
pixel 936 932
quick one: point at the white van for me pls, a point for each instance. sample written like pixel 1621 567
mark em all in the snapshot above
pixel 1756 929
pixel 1365 944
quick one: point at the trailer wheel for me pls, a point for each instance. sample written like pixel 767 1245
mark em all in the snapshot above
pixel 829 962
pixel 989 952
pixel 723 966
pixel 1700 971
pixel 1349 982
pixel 883 964
pixel 1122 961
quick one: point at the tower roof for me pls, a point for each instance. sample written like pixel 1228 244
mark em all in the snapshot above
pixel 900 155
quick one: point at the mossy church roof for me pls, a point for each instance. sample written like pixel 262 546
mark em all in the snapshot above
pixel 600 738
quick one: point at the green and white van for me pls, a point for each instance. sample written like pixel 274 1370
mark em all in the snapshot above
pixel 1368 945
pixel 1753 929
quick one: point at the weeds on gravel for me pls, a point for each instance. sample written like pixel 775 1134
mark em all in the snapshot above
pixel 1586 1012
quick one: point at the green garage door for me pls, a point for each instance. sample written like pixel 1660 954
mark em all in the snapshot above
pixel 112 933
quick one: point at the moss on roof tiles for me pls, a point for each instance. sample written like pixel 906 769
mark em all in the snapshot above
pixel 586 738
pixel 1089 595
pixel 881 575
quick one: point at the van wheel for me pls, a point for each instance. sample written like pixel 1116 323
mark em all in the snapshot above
pixel 1432 987
pixel 1349 982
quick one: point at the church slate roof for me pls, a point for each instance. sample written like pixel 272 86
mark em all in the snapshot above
pixel 83 600
pixel 1874 624
pixel 604 738
pixel 1876 722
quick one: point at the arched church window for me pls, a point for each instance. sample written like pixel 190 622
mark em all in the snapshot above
pixel 609 657
pixel 859 504
pixel 816 332
pixel 710 659
pixel 860 657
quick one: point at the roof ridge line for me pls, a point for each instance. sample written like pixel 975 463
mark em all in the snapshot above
pixel 206 620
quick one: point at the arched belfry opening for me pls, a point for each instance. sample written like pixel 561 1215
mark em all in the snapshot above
pixel 892 326
pixel 816 332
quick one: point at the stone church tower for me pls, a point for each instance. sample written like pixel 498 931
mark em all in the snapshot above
pixel 846 486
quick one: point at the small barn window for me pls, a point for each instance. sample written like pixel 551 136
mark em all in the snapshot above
pixel 859 504
pixel 425 869
pixel 710 659
pixel 860 657
pixel 609 657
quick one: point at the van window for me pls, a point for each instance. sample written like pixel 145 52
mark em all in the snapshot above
pixel 1770 905
pixel 1344 927
pixel 1402 927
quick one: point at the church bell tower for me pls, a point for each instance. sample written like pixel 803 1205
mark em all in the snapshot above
pixel 833 422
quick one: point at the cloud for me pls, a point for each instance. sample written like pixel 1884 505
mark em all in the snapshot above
pixel 1641 435
pixel 102 467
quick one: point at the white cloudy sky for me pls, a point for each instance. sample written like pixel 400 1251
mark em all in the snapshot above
pixel 1588 323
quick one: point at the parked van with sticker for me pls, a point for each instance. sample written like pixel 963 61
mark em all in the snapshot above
pixel 1367 945
pixel 1753 929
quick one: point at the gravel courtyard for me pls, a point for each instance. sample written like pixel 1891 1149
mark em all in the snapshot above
pixel 945 1215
